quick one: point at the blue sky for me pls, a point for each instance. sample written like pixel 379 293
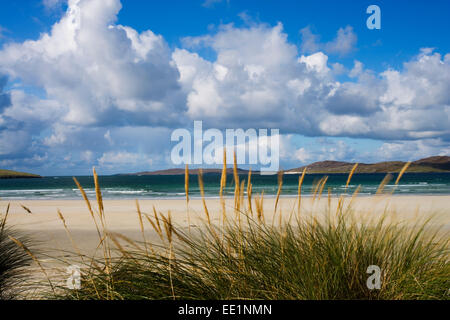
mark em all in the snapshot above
pixel 407 26
pixel 104 93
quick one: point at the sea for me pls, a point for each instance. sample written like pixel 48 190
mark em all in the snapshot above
pixel 172 187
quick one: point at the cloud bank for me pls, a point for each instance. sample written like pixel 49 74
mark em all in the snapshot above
pixel 94 92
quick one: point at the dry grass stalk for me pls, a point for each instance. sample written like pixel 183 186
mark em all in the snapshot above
pixel 405 167
pixel 101 237
pixel 26 209
pixel 249 192
pixel 259 203
pixel 88 203
pixel 236 184
pixel 69 234
pixel 126 239
pixel 186 190
pixel 340 205
pixel 124 252
pixel 383 183
pixel 186 182
pixel 299 192
pixel 98 194
pixel 317 187
pixel 101 208
pixel 280 186
pixel 351 175
pixel 35 259
pixel 202 192
pixel 2 228
pixel 169 232
pixel 155 214
pixel 354 195
pixel 322 186
pixel 280 220
pixel 141 223
pixel 158 231
pixel 329 200
pixel 241 194
pixel 168 226
pixel 223 184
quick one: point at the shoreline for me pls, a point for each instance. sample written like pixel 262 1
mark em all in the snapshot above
pixel 42 209
pixel 45 226
pixel 230 197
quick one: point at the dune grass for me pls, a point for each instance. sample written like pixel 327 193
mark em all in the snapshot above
pixel 13 261
pixel 295 256
pixel 311 261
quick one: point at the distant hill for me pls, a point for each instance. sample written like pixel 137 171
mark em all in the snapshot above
pixel 432 164
pixel 9 174
pixel 174 172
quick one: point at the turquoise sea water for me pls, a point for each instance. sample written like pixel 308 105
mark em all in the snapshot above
pixel 141 187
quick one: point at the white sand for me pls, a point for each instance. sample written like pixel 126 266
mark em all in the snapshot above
pixel 44 225
pixel 55 251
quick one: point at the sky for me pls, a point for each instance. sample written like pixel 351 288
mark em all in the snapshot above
pixel 104 83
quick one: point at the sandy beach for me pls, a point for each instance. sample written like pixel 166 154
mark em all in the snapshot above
pixel 47 230
pixel 55 250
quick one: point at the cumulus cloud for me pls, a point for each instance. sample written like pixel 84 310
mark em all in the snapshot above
pixel 343 44
pixel 310 41
pixel 13 142
pixel 258 79
pixel 5 98
pixel 248 77
pixel 98 71
pixel 88 72
pixel 105 88
pixel 322 149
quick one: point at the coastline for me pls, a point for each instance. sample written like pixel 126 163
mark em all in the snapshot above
pixel 5 200
pixel 45 226
pixel 55 249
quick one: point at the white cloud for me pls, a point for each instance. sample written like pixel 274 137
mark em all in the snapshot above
pixel 343 44
pixel 87 156
pixel 13 142
pixel 322 149
pixel 317 62
pixel 302 155
pixel 413 150
pixel 310 41
pixel 99 72
pixel 108 137
pixel 357 69
pixel 114 159
pixel 267 84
